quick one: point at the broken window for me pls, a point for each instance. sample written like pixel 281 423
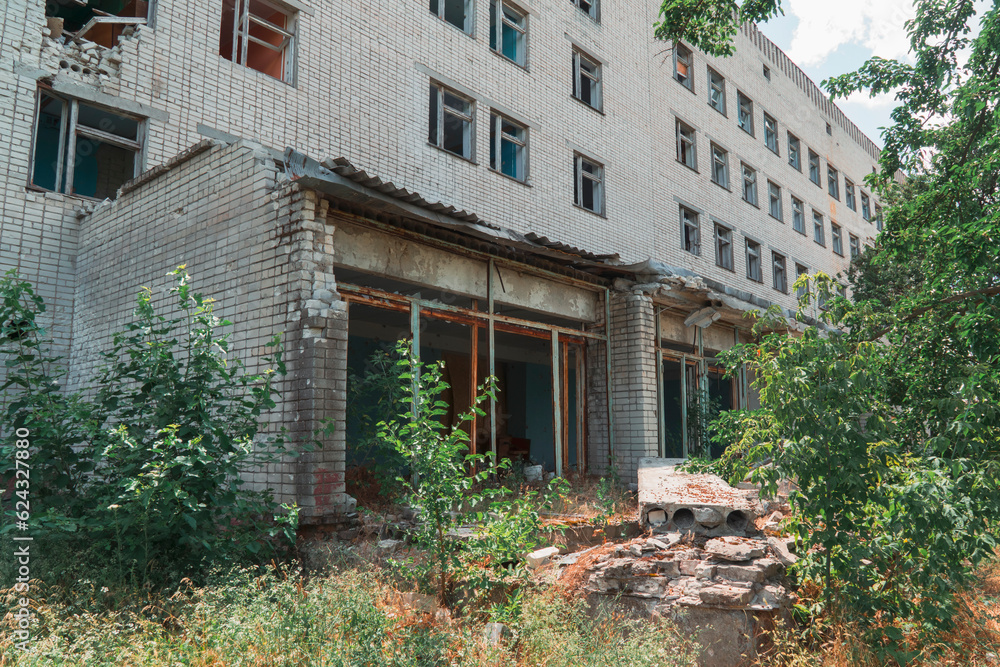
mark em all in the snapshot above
pixel 258 34
pixel 83 150
pixel 833 181
pixel 685 146
pixel 780 281
pixel 794 151
pixel 836 238
pixel 753 261
pixel 682 66
pixel 588 188
pixel 450 121
pixel 745 112
pixel 717 91
pixel 100 21
pixel 586 79
pixel 771 133
pixel 774 197
pixel 588 7
pixel 798 216
pixel 849 194
pixel 723 247
pixel 813 167
pixel 866 207
pixel 855 246
pixel 749 185
pixel 455 12
pixel 720 166
pixel 508 27
pixel 818 232
pixel 691 233
pixel 508 145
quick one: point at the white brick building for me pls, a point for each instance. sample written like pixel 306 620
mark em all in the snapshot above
pixel 444 168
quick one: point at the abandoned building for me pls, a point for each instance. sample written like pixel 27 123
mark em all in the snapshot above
pixel 526 189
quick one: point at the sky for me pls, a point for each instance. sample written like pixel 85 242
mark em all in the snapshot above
pixel 828 38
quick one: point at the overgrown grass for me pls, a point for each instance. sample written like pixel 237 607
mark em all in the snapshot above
pixel 277 618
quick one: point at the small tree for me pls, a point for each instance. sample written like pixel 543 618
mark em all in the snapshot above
pixel 443 474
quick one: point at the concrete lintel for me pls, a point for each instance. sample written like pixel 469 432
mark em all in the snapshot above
pixel 91 94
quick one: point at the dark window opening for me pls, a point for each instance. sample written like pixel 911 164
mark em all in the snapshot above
pixel 100 21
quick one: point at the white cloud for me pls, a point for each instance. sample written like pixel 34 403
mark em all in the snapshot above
pixel 825 26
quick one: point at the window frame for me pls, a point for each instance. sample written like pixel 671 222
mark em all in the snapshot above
pixel 681 127
pixel 795 154
pixel 687 244
pixel 818 166
pixel 866 207
pixel 855 245
pixel 688 81
pixel 819 228
pixel 751 182
pixel 712 88
pixel 722 250
pixel 801 270
pixel 593 12
pixel 836 238
pixel 879 222
pixel 70 131
pixel 579 175
pixel 242 18
pixel 771 133
pixel 779 272
pixel 753 261
pixel 470 121
pixel 849 197
pixel 801 214
pixel 579 56
pixel 470 15
pixel 771 198
pixel 716 151
pixel 740 99
pixel 498 136
pixel 833 181
pixel 496 31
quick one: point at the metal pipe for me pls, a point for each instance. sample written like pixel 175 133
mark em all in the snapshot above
pixel 556 405
pixel 607 361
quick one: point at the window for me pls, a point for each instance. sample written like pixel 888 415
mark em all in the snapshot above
pixel 586 80
pixel 456 12
pixel 101 22
pixel 508 27
pixel 832 181
pixel 258 34
pixel 836 238
pixel 849 194
pixel 878 218
pixel 818 234
pixel 720 166
pixel 813 167
pixel 855 246
pixel 682 66
pixel 745 112
pixel 774 200
pixel 798 216
pixel 829 129
pixel 779 279
pixel 753 261
pixel 508 147
pixel 588 7
pixel 767 72
pixel 866 207
pixel 716 91
pixel 723 247
pixel 685 146
pixel 451 121
pixel 749 185
pixel 804 287
pixel 588 188
pixel 84 150
pixel 771 133
pixel 794 152
pixel 690 229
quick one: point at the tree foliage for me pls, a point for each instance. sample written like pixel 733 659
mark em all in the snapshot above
pixel 710 25
pixel 888 417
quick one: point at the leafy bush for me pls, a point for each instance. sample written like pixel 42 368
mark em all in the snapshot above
pixel 146 462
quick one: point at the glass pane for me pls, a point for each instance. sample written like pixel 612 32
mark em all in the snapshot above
pixel 494 25
pixel 454 12
pixel 47 140
pixel 106 121
pixel 511 43
pixel 457 103
pixel 455 134
pixel 101 168
pixel 589 195
pixel 510 159
pixel 432 134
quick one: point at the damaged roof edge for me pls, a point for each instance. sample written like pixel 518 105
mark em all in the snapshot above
pixel 339 178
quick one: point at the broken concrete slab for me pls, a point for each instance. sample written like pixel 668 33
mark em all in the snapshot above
pixel 781 552
pixel 700 503
pixel 735 549
pixel 722 595
pixel 540 557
